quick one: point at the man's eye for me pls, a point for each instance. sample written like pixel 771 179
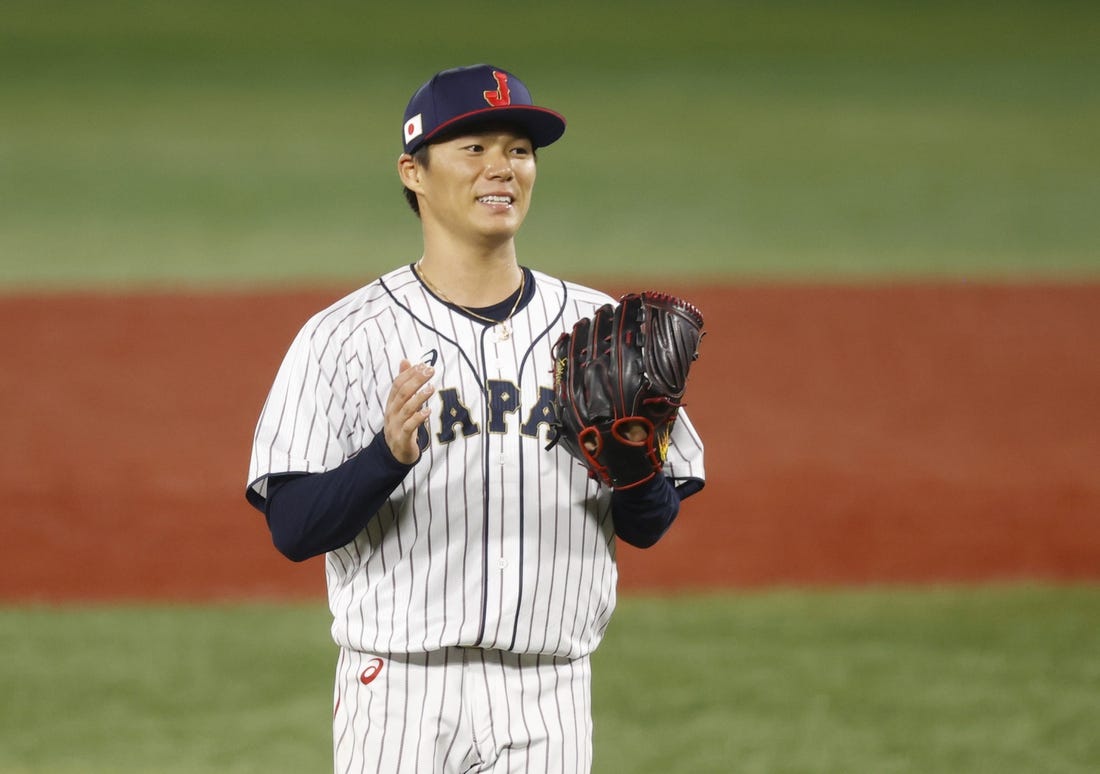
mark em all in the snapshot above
pixel 475 148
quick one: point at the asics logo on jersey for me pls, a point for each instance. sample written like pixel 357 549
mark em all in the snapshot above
pixel 366 677
pixel 502 97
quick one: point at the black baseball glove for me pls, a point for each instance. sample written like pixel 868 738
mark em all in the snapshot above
pixel 619 380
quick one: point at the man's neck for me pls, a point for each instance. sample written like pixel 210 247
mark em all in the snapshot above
pixel 471 277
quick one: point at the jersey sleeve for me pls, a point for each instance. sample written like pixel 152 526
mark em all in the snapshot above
pixel 685 453
pixel 305 424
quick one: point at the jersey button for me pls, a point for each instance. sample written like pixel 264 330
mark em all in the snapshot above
pixel 502 563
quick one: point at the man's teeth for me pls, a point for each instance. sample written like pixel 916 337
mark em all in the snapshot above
pixel 495 199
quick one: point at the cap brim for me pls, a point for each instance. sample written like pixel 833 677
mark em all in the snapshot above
pixel 542 125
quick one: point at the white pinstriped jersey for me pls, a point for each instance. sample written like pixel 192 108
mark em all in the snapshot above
pixel 491 540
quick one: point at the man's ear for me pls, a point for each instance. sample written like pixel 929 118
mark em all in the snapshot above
pixel 409 172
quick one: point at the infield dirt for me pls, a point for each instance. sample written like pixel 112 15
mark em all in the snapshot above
pixel 904 434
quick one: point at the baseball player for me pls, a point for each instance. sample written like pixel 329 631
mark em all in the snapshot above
pixel 470 570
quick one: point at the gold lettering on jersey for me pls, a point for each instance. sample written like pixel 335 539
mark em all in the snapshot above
pixel 453 413
pixel 455 417
pixel 541 414
pixel 503 400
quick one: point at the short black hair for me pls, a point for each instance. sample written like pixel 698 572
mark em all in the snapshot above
pixel 422 157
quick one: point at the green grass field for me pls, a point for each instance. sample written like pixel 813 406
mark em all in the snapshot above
pixel 999 680
pixel 253 142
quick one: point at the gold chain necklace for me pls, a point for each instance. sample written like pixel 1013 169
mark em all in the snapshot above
pixel 504 331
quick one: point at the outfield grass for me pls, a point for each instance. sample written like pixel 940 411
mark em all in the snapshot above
pixel 1001 679
pixel 244 142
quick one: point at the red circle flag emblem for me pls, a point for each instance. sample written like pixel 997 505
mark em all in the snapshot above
pixel 414 127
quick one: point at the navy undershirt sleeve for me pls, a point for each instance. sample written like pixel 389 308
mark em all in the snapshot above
pixel 643 514
pixel 312 513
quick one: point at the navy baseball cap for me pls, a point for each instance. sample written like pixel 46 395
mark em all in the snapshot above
pixel 466 97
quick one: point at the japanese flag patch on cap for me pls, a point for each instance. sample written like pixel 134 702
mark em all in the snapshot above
pixel 414 127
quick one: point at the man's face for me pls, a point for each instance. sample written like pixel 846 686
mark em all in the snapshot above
pixel 478 185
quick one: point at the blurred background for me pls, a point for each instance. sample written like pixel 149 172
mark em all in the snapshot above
pixel 860 163
pixel 247 143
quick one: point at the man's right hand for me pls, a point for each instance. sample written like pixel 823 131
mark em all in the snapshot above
pixel 406 410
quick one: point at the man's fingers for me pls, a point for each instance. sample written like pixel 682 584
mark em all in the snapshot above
pixel 408 383
pixel 415 420
pixel 407 409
